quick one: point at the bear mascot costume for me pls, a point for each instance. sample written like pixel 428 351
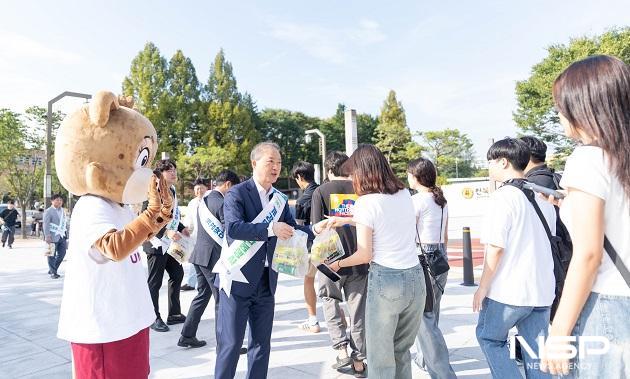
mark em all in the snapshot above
pixel 103 153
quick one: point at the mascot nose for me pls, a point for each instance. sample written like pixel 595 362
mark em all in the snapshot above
pixel 137 187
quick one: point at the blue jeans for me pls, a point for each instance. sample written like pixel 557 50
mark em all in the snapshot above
pixel 432 349
pixel 604 316
pixel 54 261
pixel 495 321
pixel 395 300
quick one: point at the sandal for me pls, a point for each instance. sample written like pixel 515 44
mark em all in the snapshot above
pixel 342 362
pixel 362 373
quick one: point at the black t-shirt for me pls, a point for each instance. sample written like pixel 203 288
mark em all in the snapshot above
pixel 543 176
pixel 321 206
pixel 9 216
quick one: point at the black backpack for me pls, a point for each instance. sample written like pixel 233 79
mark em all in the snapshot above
pixel 561 249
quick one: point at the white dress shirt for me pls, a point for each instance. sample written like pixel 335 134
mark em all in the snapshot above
pixel 264 200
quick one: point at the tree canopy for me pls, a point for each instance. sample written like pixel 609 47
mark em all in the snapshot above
pixel 535 113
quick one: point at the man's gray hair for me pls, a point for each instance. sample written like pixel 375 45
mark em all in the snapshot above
pixel 258 149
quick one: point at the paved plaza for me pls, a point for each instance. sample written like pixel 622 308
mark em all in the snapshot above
pixel 29 311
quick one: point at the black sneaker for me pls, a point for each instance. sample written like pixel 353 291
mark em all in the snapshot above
pixel 175 319
pixel 190 342
pixel 186 287
pixel 159 325
pixel 55 276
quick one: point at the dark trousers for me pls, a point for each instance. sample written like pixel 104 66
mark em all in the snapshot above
pixel 54 261
pixel 9 233
pixel 234 314
pixel 205 289
pixel 158 263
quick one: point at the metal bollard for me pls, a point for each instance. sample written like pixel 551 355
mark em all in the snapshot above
pixel 469 276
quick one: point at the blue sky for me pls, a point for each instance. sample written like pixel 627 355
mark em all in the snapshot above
pixel 452 63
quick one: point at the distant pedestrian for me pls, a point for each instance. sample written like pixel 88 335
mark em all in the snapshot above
pixel 9 219
pixel 56 232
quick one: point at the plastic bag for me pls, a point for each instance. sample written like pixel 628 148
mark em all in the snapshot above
pixel 291 256
pixel 181 249
pixel 327 247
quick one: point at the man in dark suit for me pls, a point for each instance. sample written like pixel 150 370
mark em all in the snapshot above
pixel 205 255
pixel 252 302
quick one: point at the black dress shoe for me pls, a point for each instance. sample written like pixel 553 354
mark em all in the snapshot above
pixel 186 287
pixel 243 351
pixel 190 342
pixel 159 326
pixel 175 319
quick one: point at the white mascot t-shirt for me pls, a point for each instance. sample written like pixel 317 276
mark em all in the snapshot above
pixel 103 301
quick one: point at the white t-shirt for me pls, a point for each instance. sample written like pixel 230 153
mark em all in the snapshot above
pixel 103 301
pixel 191 218
pixel 524 276
pixel 429 216
pixel 392 220
pixel 587 170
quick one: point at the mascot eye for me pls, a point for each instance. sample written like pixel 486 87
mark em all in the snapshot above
pixel 143 158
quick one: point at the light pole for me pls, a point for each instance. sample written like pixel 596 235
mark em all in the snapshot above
pixel 47 175
pixel 322 148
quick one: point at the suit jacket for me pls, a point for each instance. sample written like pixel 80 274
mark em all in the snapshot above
pixel 207 251
pixel 242 205
pixel 51 215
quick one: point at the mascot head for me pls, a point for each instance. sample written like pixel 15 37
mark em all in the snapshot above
pixel 106 148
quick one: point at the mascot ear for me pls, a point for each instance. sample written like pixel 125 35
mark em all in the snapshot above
pixel 95 176
pixel 102 103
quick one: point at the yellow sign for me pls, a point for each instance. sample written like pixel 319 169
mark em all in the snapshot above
pixel 468 193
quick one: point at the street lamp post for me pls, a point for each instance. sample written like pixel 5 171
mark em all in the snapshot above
pixel 47 175
pixel 322 148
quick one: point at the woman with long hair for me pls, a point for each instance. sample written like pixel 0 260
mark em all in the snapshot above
pixel 432 224
pixel 592 97
pixel 385 222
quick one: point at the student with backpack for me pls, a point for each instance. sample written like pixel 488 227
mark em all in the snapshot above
pixel 539 173
pixel 517 284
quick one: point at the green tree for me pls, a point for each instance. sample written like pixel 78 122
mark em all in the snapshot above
pixel 288 129
pixel 147 84
pixel 535 114
pixel 393 137
pixel 180 106
pixel 37 118
pixel 366 127
pixel 22 159
pixel 335 131
pixel 229 125
pixel 451 151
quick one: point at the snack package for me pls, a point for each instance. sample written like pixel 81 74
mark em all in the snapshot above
pixel 327 247
pixel 49 251
pixel 291 256
pixel 181 250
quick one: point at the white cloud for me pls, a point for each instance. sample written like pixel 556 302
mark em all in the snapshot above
pixel 16 47
pixel 326 43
